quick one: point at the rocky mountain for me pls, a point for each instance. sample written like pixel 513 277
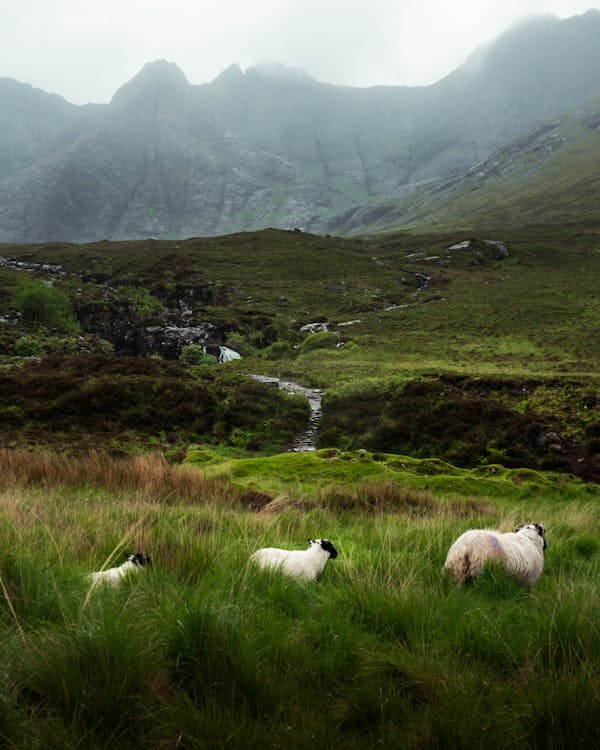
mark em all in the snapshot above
pixel 271 146
pixel 33 124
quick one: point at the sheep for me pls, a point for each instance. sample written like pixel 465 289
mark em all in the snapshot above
pixel 114 576
pixel 303 565
pixel 521 553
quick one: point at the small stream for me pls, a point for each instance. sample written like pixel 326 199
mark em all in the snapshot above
pixel 307 439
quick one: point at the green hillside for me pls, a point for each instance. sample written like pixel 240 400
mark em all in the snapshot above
pixel 472 347
pixel 403 302
pixel 551 175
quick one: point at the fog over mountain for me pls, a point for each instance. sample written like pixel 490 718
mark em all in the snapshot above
pixel 270 146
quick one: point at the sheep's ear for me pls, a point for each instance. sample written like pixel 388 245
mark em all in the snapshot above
pixel 519 527
pixel 542 532
pixel 311 541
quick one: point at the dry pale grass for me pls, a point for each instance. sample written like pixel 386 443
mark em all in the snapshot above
pixel 150 475
pixel 385 496
pixel 376 497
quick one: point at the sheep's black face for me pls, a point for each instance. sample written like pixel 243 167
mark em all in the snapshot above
pixel 328 547
pixel 139 559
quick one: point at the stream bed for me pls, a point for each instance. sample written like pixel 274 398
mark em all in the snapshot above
pixel 306 440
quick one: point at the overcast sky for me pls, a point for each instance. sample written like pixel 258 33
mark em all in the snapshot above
pixel 84 50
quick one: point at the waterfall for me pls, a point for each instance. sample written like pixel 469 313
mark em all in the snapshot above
pixel 227 354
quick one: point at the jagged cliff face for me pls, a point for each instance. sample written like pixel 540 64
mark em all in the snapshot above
pixel 271 146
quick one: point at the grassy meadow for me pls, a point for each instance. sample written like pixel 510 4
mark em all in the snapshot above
pixel 202 650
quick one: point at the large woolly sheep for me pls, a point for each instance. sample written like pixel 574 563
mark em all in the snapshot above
pixel 521 553
pixel 303 565
pixel 114 576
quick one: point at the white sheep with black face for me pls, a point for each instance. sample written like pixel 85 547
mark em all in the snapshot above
pixel 114 576
pixel 303 565
pixel 521 553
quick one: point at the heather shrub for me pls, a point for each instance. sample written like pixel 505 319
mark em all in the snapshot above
pixel 43 304
pixel 27 346
pixel 319 340
pixel 194 354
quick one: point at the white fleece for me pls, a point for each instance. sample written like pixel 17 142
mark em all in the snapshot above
pixel 521 553
pixel 303 565
pixel 114 576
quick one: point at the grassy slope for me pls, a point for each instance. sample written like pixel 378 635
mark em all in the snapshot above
pixel 460 322
pixel 313 479
pixel 532 315
pixel 564 189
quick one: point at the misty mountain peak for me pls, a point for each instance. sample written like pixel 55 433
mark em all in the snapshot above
pixel 540 47
pixel 231 75
pixel 280 72
pixel 156 80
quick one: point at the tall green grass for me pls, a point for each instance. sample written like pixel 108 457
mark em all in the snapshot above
pixel 204 651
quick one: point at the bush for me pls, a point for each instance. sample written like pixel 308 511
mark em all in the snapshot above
pixel 278 350
pixel 194 354
pixel 455 420
pixel 44 304
pixel 27 346
pixel 142 302
pixel 120 403
pixel 319 340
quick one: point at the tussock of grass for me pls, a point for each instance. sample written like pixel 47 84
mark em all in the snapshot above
pixel 375 497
